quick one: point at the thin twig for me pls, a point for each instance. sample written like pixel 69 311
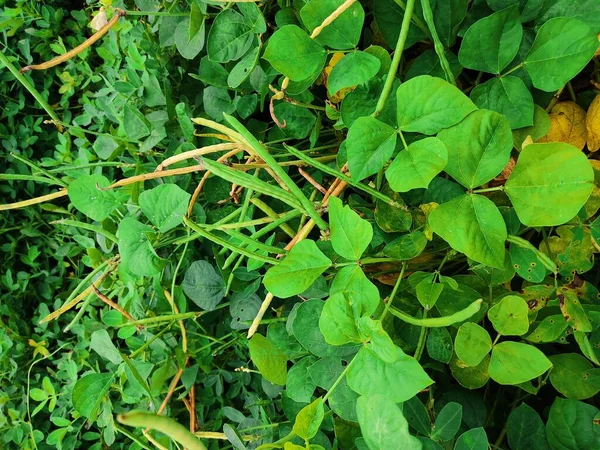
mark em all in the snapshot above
pixel 112 304
pixel 312 181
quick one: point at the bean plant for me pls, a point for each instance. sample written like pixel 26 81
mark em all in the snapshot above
pixel 300 224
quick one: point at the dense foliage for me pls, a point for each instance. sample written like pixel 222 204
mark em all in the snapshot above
pixel 320 224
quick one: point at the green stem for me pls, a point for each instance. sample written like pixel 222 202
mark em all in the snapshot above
pixel 437 44
pixel 157 13
pixel 514 69
pixel 158 319
pixel 492 189
pixel 339 380
pixel 29 86
pixel 394 291
pixel 391 76
pixel 87 226
pixel 422 336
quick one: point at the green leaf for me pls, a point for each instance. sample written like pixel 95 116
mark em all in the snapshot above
pixel 391 218
pixel 299 385
pixel 508 96
pixel 474 439
pixel 203 285
pixel 344 32
pixel 293 53
pixel 380 342
pixel 189 45
pixel 447 422
pixel 90 196
pixel 350 234
pixel 547 174
pixel 549 329
pixel 353 69
pixel 478 147
pixel 572 425
pixel 165 205
pixel 439 344
pixel 104 146
pixel 514 363
pixel 230 37
pixel 137 254
pixel 471 377
pixel 472 343
pixel 363 294
pixel 370 144
pixel 309 420
pixel 416 414
pixel 428 63
pixel 447 16
pixel 270 361
pixel 406 247
pixel 527 264
pixel 389 15
pixel 472 225
pixel 135 124
pixel 491 43
pixel 88 393
pixel 510 316
pixel 299 121
pixel 383 425
pixel 525 429
pixel 416 166
pixel 300 268
pixel 427 105
pixel 562 48
pixel 371 375
pixel 539 129
pixel 337 322
pixel 584 10
pixel 242 70
pixel 102 344
pixel 428 292
pixel 574 376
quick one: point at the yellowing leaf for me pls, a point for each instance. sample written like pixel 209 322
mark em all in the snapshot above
pixel 427 208
pixel 593 125
pixel 567 124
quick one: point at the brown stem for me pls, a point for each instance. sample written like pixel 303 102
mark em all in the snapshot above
pixel 113 305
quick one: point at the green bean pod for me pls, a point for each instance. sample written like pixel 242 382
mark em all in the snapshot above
pixel 169 427
pixel 438 322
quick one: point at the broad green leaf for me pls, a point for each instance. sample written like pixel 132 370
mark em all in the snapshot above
pixel 203 285
pixel 447 16
pixel 90 196
pixel 474 439
pixel 572 425
pixel 529 9
pixel 389 14
pixel 471 377
pixel 447 422
pixel 417 165
pixel 428 63
pixel 305 328
pixel 427 105
pixel 527 264
pixel 363 294
pixel 102 344
pixel 495 277
pixel 472 343
pixel 514 363
pixel 299 121
pixel 478 147
pixel 508 96
pixel 370 375
pixel 547 174
pixel 562 48
pixel 270 361
pixel 383 425
pixel 137 254
pixel 299 385
pixel 344 32
pixel 104 146
pixel 337 321
pixel 135 124
pixel 574 376
pixel 472 225
pixel 88 393
pixel 165 205
pixel 254 16
pixel 309 420
pixel 189 39
pixel 380 342
pixel 230 37
pixel 539 129
pixel 510 316
pixel 491 43
pixel 439 345
pixel 293 53
pixel 299 269
pixel 350 234
pixel 370 144
pixel 407 246
pixel 525 429
pixel 353 69
pixel 242 70
pixel 362 101
pixel 549 329
pixel 217 101
pixel 584 10
pixel 428 292
pixel 416 414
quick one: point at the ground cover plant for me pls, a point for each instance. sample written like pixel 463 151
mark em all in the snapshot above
pixel 300 224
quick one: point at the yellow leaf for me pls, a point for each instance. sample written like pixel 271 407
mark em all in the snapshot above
pixel 593 125
pixel 427 208
pixel 567 124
